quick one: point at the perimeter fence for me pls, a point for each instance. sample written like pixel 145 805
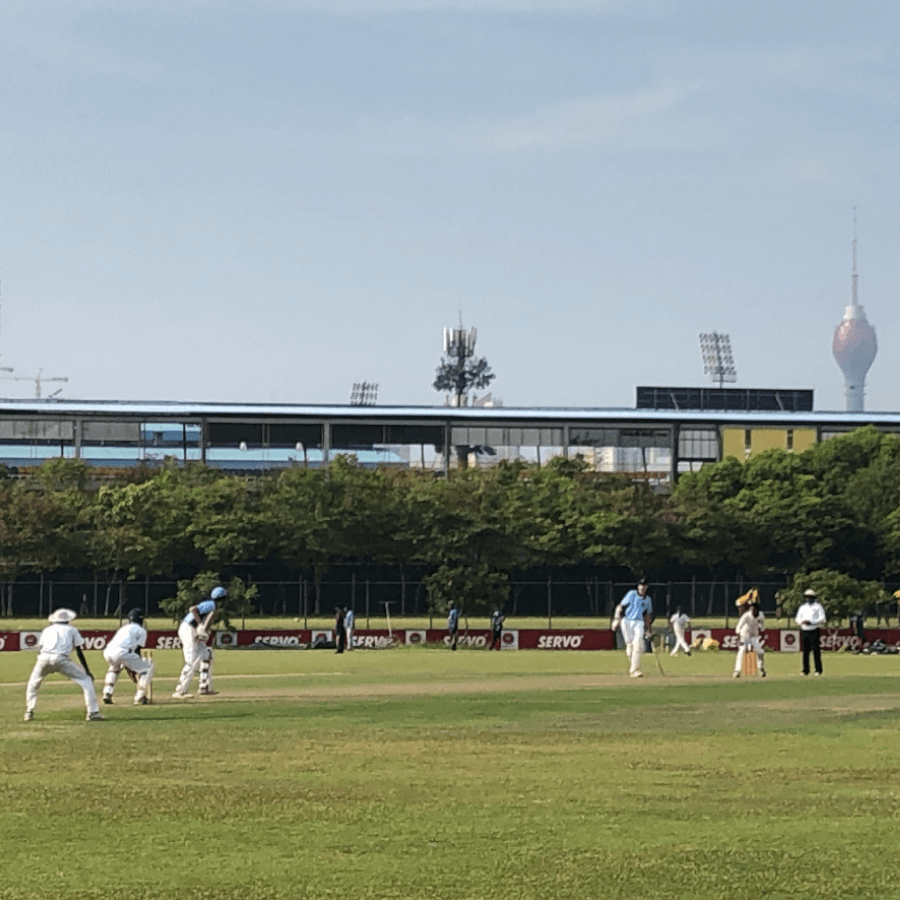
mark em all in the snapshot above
pixel 554 596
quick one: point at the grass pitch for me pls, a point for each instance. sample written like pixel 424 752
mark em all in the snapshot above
pixel 420 773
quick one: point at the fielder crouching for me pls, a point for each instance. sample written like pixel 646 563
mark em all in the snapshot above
pixel 749 630
pixel 124 652
pixel 193 632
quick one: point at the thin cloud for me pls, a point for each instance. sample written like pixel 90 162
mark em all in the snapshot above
pixel 374 7
pixel 599 120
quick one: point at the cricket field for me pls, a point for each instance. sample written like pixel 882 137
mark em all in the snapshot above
pixel 422 774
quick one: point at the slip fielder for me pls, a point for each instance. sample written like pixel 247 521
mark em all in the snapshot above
pixel 56 643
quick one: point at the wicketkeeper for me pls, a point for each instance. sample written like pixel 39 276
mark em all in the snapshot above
pixel 124 652
pixel 193 632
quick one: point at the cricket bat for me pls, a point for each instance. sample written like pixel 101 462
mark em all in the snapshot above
pixel 749 664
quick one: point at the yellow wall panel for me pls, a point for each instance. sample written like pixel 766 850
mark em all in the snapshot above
pixel 733 443
pixel 804 438
pixel 763 439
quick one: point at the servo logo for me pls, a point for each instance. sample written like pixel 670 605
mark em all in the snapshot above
pixel 560 641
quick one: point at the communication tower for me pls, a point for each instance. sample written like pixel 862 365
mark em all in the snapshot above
pixel 854 345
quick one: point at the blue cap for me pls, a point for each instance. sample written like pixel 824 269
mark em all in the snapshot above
pixel 218 593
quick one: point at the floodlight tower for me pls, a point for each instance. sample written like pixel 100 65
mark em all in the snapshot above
pixel 718 362
pixel 854 345
pixel 364 393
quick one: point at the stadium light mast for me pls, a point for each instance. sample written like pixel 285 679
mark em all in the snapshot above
pixel 718 362
pixel 364 393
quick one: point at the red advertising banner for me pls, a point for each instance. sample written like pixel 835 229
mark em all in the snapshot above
pixel 513 639
pixel 9 640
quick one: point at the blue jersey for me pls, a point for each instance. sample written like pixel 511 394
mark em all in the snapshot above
pixel 634 606
pixel 453 619
pixel 204 607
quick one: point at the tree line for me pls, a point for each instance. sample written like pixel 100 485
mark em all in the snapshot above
pixel 828 517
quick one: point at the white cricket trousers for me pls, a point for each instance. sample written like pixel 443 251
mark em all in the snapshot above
pixel 45 665
pixel 680 643
pixel 756 646
pixel 633 633
pixel 197 655
pixel 127 659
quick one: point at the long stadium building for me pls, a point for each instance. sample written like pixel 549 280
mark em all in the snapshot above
pixel 658 440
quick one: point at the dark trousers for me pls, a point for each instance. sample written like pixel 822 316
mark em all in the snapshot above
pixel 495 640
pixel 809 641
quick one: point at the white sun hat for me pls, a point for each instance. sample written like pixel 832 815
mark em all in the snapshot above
pixel 61 616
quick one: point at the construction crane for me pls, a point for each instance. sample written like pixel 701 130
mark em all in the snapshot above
pixel 38 380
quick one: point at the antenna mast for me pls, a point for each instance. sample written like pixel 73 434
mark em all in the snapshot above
pixel 855 276
pixel 2 368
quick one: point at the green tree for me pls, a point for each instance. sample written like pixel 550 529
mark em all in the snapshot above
pixel 191 591
pixel 839 594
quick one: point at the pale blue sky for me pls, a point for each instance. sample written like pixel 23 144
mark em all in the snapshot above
pixel 267 201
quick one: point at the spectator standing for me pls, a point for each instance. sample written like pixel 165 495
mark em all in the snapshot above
pixel 811 617
pixel 858 626
pixel 453 625
pixel 497 619
pixel 349 625
pixel 340 630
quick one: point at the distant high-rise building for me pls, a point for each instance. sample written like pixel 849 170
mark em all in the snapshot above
pixel 854 345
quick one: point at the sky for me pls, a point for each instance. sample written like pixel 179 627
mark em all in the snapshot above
pixel 269 200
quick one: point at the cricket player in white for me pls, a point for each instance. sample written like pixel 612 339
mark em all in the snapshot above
pixel 680 622
pixel 55 645
pixel 193 632
pixel 749 629
pixel 633 615
pixel 124 652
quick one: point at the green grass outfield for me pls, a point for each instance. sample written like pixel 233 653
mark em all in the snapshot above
pixel 420 773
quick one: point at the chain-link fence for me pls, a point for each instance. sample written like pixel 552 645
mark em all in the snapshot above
pixel 554 595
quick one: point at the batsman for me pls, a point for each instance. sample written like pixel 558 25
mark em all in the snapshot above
pixel 749 629
pixel 633 615
pixel 193 632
